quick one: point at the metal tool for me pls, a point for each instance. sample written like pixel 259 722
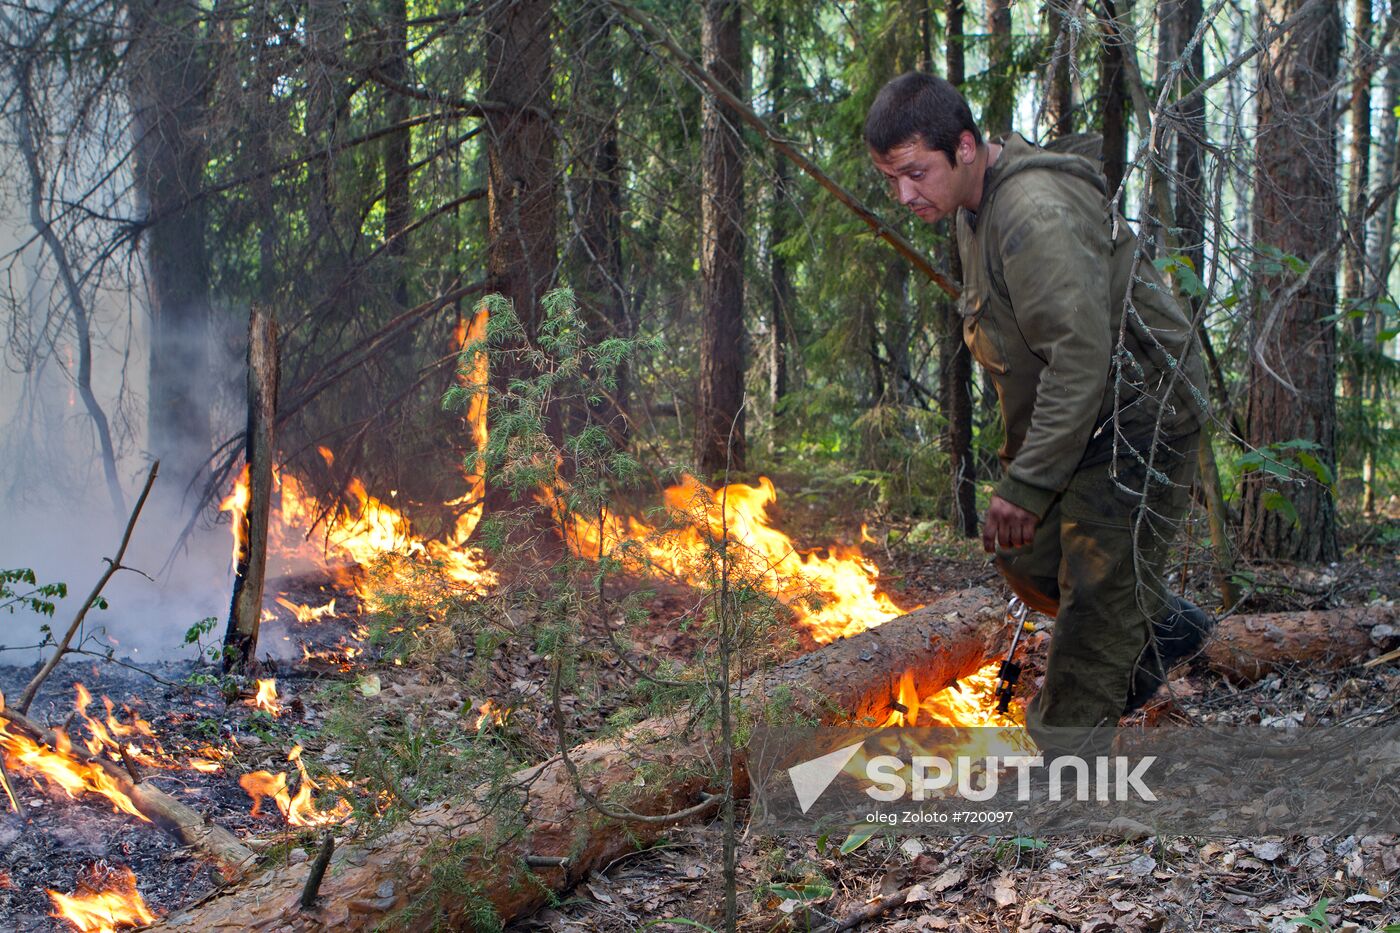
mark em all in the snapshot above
pixel 1010 671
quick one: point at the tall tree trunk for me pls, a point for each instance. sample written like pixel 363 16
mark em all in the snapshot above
pixel 1178 22
pixel 719 421
pixel 1060 55
pixel 1001 95
pixel 1113 95
pixel 398 151
pixel 598 244
pixel 1358 179
pixel 954 358
pixel 779 225
pixel 1382 234
pixel 521 187
pixel 1292 376
pixel 169 79
pixel 325 39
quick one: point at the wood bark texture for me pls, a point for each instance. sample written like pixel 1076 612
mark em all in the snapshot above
pixel 719 419
pixel 245 612
pixel 169 83
pixel 1293 361
pixel 1247 648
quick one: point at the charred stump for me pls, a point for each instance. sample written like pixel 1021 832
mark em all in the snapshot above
pixel 245 613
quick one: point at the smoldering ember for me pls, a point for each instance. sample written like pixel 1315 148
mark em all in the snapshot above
pixel 470 466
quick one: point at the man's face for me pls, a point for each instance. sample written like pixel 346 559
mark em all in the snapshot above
pixel 922 180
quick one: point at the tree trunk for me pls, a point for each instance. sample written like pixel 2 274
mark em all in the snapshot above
pixel 371 885
pixel 598 252
pixel 719 420
pixel 779 227
pixel 1358 182
pixel 521 186
pixel 1382 236
pixel 1001 94
pixel 398 152
pixel 1113 95
pixel 1179 20
pixel 1060 55
pixel 1293 363
pixel 245 612
pixel 168 84
pixel 954 358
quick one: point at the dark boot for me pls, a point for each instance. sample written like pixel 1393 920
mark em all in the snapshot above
pixel 1178 634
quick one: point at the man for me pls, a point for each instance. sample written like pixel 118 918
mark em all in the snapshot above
pixel 1101 396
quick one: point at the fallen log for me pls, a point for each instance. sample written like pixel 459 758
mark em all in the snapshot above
pixel 498 851
pixel 1248 648
pixel 461 861
pixel 180 820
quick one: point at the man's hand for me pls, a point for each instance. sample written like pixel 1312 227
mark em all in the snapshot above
pixel 1007 526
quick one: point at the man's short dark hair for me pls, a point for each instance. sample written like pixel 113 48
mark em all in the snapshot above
pixel 919 105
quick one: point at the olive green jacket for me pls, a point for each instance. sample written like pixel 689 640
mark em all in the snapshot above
pixel 1046 269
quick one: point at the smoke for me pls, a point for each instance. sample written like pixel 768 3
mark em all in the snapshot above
pixel 56 516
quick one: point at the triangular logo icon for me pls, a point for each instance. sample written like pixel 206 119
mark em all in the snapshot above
pixel 811 778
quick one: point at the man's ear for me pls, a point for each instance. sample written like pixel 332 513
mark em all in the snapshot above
pixel 967 147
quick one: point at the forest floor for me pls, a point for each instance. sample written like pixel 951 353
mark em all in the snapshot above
pixel 425 695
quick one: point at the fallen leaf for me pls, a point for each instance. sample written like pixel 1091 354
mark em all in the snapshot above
pixel 1364 899
pixel 1004 890
pixel 1267 851
pixel 598 892
pixel 917 893
pixel 1142 866
pixel 912 848
pixel 949 879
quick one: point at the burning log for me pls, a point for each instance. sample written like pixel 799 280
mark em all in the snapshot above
pixel 144 800
pixel 245 613
pixel 1247 648
pixel 860 677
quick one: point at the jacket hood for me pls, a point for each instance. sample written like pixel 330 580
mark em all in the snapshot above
pixel 1018 155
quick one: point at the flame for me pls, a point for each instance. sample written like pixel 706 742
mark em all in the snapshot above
pixel 60 768
pixel 475 380
pixel 266 700
pixel 299 810
pixel 367 528
pixel 834 591
pixel 119 740
pixel 118 904
pixel 491 714
pixel 236 503
pixel 306 613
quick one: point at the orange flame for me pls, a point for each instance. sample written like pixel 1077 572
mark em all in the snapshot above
pixel 59 768
pixel 833 591
pixel 118 904
pixel 369 528
pixel 491 714
pixel 236 503
pixel 305 613
pixel 299 810
pixel 475 380
pixel 266 700
pixel 118 739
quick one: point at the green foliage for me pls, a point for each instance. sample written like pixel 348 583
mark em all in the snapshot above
pixel 20 588
pixel 1315 919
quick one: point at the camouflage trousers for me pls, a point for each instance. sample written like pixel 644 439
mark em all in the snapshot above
pixel 1097 564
